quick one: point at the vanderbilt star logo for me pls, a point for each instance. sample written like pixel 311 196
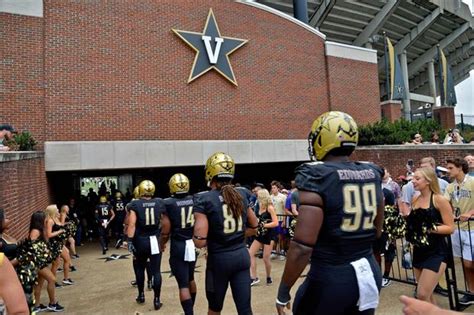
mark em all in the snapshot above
pixel 212 50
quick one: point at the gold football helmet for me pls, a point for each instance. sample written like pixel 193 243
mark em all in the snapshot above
pixel 146 188
pixel 118 195
pixel 136 195
pixel 332 130
pixel 221 165
pixel 103 199
pixel 179 184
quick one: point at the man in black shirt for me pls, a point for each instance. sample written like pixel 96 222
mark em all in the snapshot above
pixel 341 211
pixel 179 208
pixel 104 214
pixel 148 231
pixel 222 219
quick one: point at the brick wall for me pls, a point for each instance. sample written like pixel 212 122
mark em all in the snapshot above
pixel 129 81
pixel 395 157
pixel 114 71
pixel 354 89
pixel 21 73
pixel 23 189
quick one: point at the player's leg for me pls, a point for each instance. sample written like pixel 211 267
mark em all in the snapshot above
pixel 155 267
pixel 217 282
pixel 180 270
pixel 240 281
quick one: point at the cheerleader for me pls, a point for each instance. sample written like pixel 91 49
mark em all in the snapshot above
pixel 267 219
pixel 55 233
pixel 37 233
pixel 427 226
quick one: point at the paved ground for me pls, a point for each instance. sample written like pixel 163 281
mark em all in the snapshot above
pixel 104 288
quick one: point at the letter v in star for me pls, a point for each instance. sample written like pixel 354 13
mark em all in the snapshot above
pixel 212 50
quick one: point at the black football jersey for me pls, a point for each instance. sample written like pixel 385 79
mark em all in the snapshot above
pixel 180 213
pixel 351 192
pixel 245 193
pixel 148 212
pixel 103 211
pixel 119 207
pixel 225 232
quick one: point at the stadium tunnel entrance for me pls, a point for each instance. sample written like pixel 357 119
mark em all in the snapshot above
pixel 64 185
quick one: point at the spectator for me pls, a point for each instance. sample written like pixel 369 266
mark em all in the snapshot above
pixel 11 291
pixel 278 201
pixel 417 139
pixel 6 133
pixel 413 306
pixel 434 137
pixel 470 163
pixel 453 137
pixel 390 184
pixel 408 191
pixel 460 194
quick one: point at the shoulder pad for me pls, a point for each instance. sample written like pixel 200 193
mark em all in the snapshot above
pixel 202 192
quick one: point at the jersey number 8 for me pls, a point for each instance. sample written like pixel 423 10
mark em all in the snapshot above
pixel 356 205
pixel 230 224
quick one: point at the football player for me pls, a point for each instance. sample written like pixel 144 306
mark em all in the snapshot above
pixel 119 209
pixel 341 212
pixel 104 214
pixel 222 218
pixel 179 208
pixel 148 231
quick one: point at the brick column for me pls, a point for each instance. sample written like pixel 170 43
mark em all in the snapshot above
pixel 391 110
pixel 444 116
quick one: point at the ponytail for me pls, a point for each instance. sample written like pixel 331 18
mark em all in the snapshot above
pixel 232 198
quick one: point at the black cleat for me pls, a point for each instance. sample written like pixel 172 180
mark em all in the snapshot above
pixel 156 303
pixel 140 298
pixel 133 283
pixel 118 244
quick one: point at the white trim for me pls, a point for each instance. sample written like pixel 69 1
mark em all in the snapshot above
pixel 92 155
pixel 283 15
pixel 22 7
pixel 351 52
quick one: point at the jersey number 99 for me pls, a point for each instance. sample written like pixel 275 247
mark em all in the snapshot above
pixel 230 224
pixel 360 207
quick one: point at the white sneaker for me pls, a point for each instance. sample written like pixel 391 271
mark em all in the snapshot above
pixel 273 256
pixel 386 282
pixel 254 282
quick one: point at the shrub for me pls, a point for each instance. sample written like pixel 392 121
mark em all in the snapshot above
pixel 398 132
pixel 24 141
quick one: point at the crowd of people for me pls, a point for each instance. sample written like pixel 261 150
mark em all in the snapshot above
pixel 332 218
pixel 452 137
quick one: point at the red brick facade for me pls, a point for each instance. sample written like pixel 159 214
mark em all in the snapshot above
pixel 354 89
pixel 23 190
pixel 21 73
pixel 115 71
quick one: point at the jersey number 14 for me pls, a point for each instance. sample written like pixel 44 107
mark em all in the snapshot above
pixel 187 218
